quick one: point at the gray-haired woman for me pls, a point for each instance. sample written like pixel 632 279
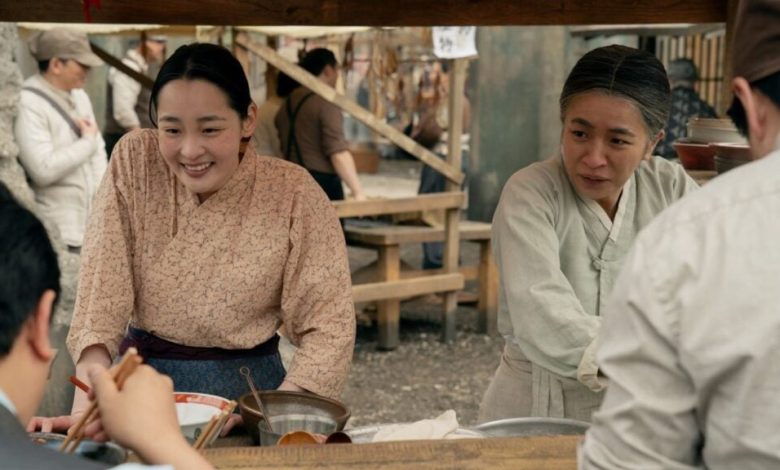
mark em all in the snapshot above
pixel 564 225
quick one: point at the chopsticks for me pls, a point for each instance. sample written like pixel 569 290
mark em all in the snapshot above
pixel 119 373
pixel 215 425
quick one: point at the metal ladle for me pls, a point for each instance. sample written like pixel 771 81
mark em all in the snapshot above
pixel 244 370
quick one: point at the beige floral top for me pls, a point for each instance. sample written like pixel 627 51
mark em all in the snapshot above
pixel 265 250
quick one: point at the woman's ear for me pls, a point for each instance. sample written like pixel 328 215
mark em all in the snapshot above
pixel 249 123
pixel 744 93
pixel 38 327
pixel 653 144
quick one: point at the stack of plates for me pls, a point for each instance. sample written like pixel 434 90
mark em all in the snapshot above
pixel 709 131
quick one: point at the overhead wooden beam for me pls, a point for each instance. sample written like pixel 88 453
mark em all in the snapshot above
pixel 117 63
pixel 372 13
pixel 355 110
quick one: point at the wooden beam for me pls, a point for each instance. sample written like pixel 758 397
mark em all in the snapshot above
pixel 498 453
pixel 358 112
pixel 397 206
pixel 372 13
pixel 117 63
pixel 407 287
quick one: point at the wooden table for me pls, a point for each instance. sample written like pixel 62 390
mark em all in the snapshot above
pixel 394 284
pixel 515 453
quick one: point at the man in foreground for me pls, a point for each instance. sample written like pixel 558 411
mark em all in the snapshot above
pixel 690 339
pixel 141 416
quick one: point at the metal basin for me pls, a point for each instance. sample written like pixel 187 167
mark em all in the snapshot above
pixel 279 402
pixel 296 422
pixel 533 427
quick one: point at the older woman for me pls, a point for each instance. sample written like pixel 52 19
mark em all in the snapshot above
pixel 563 226
pixel 198 249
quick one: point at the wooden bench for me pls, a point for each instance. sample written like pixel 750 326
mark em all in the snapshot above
pixel 394 284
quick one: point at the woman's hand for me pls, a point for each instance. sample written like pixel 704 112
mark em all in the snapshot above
pixel 290 387
pixel 58 424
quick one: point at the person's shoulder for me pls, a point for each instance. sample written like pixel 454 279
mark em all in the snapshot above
pixel 541 176
pixel 538 183
pixel 659 168
pixel 722 200
pixel 138 148
pixel 279 169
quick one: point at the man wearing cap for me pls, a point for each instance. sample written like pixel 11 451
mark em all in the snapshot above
pixel 127 101
pixel 686 104
pixel 690 339
pixel 60 146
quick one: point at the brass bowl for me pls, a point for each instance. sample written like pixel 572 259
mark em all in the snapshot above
pixel 279 402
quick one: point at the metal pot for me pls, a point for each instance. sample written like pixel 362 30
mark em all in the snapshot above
pixel 533 427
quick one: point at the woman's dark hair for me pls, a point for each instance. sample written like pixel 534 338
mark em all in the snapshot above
pixel 625 72
pixel 769 87
pixel 209 62
pixel 28 267
pixel 316 60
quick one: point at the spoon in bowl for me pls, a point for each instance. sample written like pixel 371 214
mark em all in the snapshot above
pixel 244 370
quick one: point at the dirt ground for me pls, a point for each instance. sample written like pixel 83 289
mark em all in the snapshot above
pixel 422 377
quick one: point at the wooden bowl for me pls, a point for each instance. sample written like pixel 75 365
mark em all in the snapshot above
pixel 694 156
pixel 732 151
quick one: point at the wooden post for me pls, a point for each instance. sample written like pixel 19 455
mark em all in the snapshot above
pixel 728 54
pixel 358 112
pixel 452 238
pixel 389 311
pixel 271 75
pixel 488 290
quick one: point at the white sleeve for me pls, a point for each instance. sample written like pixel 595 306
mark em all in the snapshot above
pixel 647 419
pixel 125 91
pixel 547 317
pixel 44 163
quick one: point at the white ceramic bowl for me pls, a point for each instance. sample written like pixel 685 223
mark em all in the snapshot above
pixel 195 410
pixel 705 131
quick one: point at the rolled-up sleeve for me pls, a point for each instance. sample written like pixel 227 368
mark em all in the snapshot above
pixel 317 308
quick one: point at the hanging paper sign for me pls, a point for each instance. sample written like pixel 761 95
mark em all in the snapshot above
pixel 454 42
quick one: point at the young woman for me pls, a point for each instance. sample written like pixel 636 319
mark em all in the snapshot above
pixel 563 226
pixel 198 249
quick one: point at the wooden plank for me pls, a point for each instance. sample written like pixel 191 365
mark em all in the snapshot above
pixel 367 13
pixel 403 234
pixel 469 273
pixel 396 206
pixel 358 112
pixel 389 310
pixel 117 63
pixel 515 453
pixel 407 287
pixel 731 23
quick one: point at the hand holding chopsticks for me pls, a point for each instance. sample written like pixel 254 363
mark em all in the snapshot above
pixel 119 374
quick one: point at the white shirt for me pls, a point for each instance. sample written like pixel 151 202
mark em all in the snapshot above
pixel 691 336
pixel 8 404
pixel 558 256
pixel 64 169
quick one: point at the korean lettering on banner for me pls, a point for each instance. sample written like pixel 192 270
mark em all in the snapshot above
pixel 454 42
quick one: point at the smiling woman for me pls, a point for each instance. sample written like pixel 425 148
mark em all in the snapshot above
pixel 563 226
pixel 198 250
